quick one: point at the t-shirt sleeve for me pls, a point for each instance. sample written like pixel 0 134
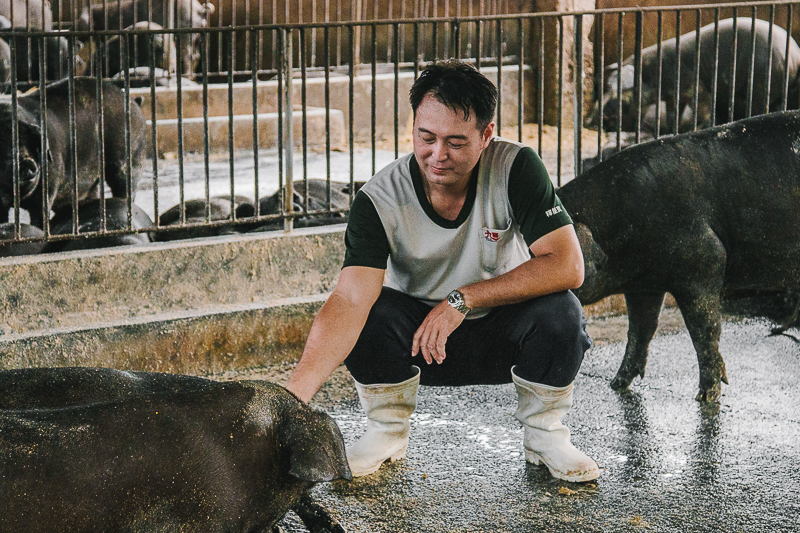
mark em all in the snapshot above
pixel 534 203
pixel 365 240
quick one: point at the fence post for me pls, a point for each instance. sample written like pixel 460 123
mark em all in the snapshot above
pixel 551 97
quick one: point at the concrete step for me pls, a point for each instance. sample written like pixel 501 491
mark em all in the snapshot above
pixel 167 132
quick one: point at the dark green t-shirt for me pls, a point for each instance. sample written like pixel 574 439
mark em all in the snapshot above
pixel 534 203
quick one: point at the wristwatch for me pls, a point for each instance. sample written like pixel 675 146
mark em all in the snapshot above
pixel 456 299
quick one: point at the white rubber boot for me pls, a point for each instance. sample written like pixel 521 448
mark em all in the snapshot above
pixel 388 407
pixel 546 440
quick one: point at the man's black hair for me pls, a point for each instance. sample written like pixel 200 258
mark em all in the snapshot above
pixel 460 87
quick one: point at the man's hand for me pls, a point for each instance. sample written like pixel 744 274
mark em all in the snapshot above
pixel 432 335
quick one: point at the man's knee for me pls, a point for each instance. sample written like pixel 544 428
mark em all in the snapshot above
pixel 560 316
pixel 553 350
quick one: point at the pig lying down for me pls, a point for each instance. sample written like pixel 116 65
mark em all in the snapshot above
pixel 102 450
pixel 699 215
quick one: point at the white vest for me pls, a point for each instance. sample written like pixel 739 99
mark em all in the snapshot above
pixel 428 261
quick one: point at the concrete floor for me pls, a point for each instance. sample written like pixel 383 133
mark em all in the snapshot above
pixel 668 463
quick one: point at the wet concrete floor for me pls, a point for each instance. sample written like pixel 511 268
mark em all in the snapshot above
pixel 668 463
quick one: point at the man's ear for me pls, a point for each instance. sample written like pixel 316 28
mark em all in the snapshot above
pixel 488 133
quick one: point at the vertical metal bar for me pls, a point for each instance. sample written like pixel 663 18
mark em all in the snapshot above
pixel 339 35
pixel 715 84
pixel 231 139
pixel 767 96
pixel 206 141
pixel 785 99
pixel 254 71
pixel 154 130
pixel 659 91
pixel 734 53
pixel 455 28
pixel 391 51
pixel 304 108
pixel 128 152
pixel 540 89
pixel 15 133
pixel 752 63
pixel 577 124
pixel 696 100
pixel 560 94
pixel 351 103
pixel 313 33
pixel 73 148
pixel 478 44
pixel 416 49
pixel 288 140
pixel 677 111
pixel 179 102
pixel 620 34
pixel 498 28
pixel 44 139
pixel 637 81
pixel 101 163
pixel 599 94
pixel 231 38
pixel 327 49
pixel 396 45
pixel 373 97
pixel 520 84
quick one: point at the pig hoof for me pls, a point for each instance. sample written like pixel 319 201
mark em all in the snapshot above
pixel 709 395
pixel 620 383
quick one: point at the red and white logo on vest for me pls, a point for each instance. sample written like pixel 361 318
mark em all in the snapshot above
pixel 491 236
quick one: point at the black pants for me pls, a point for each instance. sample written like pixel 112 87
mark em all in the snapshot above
pixel 544 337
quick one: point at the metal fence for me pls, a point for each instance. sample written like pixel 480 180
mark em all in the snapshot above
pixel 191 120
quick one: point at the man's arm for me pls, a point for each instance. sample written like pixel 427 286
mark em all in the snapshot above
pixel 557 265
pixel 336 329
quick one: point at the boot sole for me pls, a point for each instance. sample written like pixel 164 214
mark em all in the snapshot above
pixel 396 456
pixel 578 477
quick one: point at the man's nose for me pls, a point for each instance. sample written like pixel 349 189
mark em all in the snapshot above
pixel 440 151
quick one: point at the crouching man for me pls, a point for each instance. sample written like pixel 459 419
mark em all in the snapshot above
pixel 479 257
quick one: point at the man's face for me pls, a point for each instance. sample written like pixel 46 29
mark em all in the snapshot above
pixel 446 146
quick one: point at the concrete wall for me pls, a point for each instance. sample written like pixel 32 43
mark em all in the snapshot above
pixel 194 306
pixel 188 306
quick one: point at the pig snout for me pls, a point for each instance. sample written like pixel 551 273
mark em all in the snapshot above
pixel 28 175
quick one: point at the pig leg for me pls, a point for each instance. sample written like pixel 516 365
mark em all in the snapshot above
pixel 315 517
pixel 704 321
pixel 643 311
pixel 116 177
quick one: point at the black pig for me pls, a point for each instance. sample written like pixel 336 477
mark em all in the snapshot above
pixel 14 247
pixel 317 201
pixel 57 158
pixel 104 450
pixel 124 13
pixel 195 212
pixel 771 66
pixel 33 14
pixel 699 215
pixel 90 219
pixel 135 50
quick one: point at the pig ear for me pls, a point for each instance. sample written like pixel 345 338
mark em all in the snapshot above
pixel 316 447
pixel 30 134
pixel 612 66
pixel 594 257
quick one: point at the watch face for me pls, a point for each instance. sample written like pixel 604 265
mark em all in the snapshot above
pixel 454 298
